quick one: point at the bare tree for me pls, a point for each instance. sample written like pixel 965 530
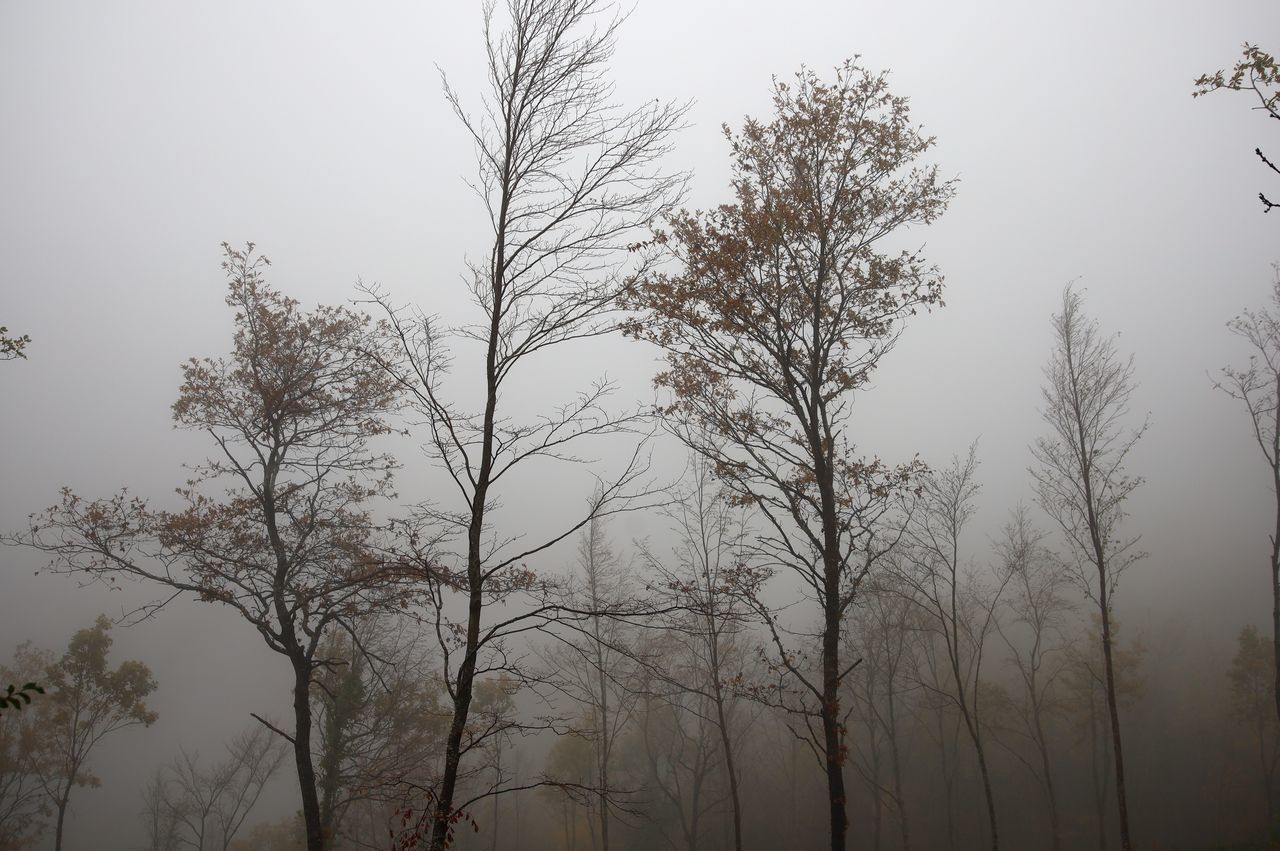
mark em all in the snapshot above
pixel 781 308
pixel 679 749
pixel 592 662
pixel 1257 386
pixel 287 540
pixel 1081 481
pixel 960 608
pixel 208 806
pixel 567 179
pixel 706 660
pixel 1088 696
pixel 159 816
pixel 882 632
pixel 1036 638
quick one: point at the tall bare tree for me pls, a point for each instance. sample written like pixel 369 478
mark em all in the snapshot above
pixel 883 633
pixel 1035 633
pixel 705 663
pixel 209 806
pixel 567 179
pixel 959 606
pixel 782 306
pixel 1081 480
pixel 1257 387
pixel 286 539
pixel 1087 696
pixel 592 662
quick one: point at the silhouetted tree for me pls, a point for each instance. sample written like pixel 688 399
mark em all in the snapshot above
pixel 782 306
pixel 1089 695
pixel 566 178
pixel 286 537
pixel 592 662
pixel 1036 637
pixel 1257 386
pixel 957 605
pixel 209 806
pixel 701 661
pixel 1081 481
pixel 1258 72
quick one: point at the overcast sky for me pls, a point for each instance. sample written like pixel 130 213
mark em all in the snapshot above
pixel 136 136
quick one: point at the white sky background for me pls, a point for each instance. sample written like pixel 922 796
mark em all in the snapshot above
pixel 135 137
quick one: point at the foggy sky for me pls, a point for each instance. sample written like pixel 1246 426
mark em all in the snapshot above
pixel 135 137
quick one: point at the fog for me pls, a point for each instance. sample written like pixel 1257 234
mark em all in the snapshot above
pixel 138 137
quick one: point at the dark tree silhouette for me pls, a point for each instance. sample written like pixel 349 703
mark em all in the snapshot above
pixel 782 306
pixel 286 540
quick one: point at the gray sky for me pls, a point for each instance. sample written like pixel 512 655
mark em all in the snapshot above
pixel 136 136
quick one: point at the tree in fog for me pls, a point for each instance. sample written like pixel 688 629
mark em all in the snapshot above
pixel 378 725
pixel 204 808
pixel 1257 72
pixel 882 632
pixel 26 745
pixel 675 750
pixel 571 762
pixel 781 307
pixel 1081 482
pixel 159 816
pixel 276 524
pixel 702 659
pixel 1035 634
pixel 1251 693
pixel 566 178
pixel 960 608
pixel 1088 694
pixel 592 662
pixel 88 701
pixel 1257 387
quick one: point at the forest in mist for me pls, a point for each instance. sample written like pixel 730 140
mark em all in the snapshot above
pixel 701 501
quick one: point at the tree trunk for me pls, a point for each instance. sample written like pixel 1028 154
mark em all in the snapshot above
pixel 63 800
pixel 1275 548
pixel 727 746
pixel 831 732
pixel 1122 804
pixel 948 782
pixel 442 818
pixel 896 759
pixel 605 743
pixel 1050 793
pixel 316 838
pixel 971 725
pixel 1098 773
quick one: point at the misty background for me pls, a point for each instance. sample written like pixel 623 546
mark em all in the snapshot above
pixel 135 137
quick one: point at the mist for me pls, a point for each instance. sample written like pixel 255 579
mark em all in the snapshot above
pixel 652 627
